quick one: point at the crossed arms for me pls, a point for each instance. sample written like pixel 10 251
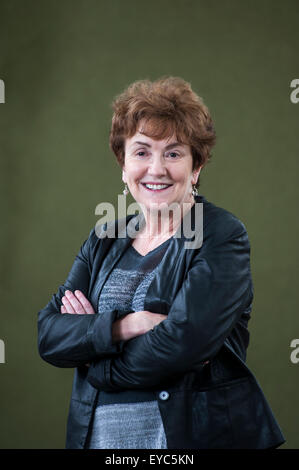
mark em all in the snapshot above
pixel 215 292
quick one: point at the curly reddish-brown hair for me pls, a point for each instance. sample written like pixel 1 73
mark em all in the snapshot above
pixel 167 106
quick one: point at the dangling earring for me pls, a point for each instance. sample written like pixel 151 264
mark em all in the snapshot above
pixel 194 191
pixel 126 191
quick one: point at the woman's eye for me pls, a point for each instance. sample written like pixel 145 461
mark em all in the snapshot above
pixel 173 155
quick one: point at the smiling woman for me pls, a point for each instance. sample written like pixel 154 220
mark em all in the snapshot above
pixel 162 135
pixel 157 333
pixel 158 173
pixel 160 110
pixel 165 173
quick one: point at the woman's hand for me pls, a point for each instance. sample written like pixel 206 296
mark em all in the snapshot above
pixel 145 321
pixel 135 324
pixel 76 303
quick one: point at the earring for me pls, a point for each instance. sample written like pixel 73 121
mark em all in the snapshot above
pixel 194 191
pixel 126 191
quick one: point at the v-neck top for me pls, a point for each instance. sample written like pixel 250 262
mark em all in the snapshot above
pixel 159 247
pixel 127 284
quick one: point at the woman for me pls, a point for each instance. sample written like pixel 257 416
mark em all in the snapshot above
pixel 157 329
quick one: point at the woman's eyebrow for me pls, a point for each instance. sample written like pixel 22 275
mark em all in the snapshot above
pixel 169 146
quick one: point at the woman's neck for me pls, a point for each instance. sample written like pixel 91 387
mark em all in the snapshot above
pixel 163 224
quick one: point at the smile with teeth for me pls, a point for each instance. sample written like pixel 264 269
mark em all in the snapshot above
pixel 156 187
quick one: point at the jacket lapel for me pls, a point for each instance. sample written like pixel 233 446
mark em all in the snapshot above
pixel 171 271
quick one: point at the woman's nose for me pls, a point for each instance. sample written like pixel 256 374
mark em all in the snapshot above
pixel 157 165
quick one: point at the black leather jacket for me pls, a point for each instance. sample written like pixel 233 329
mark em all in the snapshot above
pixel 207 294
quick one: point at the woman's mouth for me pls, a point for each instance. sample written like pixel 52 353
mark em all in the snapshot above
pixel 156 187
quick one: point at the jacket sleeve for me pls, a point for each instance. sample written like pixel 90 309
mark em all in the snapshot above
pixel 216 290
pixel 69 340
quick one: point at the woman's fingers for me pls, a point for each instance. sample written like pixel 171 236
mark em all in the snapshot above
pixel 67 304
pixel 84 302
pixel 158 317
pixel 76 303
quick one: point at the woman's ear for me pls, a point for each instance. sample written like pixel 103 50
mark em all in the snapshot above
pixel 124 176
pixel 196 175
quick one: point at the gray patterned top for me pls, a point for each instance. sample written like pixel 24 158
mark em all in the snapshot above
pixel 128 419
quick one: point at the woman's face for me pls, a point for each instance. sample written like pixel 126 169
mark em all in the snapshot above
pixel 151 163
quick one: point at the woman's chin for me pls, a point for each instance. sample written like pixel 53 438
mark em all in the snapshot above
pixel 157 204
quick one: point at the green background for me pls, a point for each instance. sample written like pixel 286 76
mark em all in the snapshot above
pixel 62 63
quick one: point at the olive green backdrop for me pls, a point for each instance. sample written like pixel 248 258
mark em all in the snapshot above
pixel 62 63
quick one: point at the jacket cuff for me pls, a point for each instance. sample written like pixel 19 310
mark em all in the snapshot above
pixel 99 335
